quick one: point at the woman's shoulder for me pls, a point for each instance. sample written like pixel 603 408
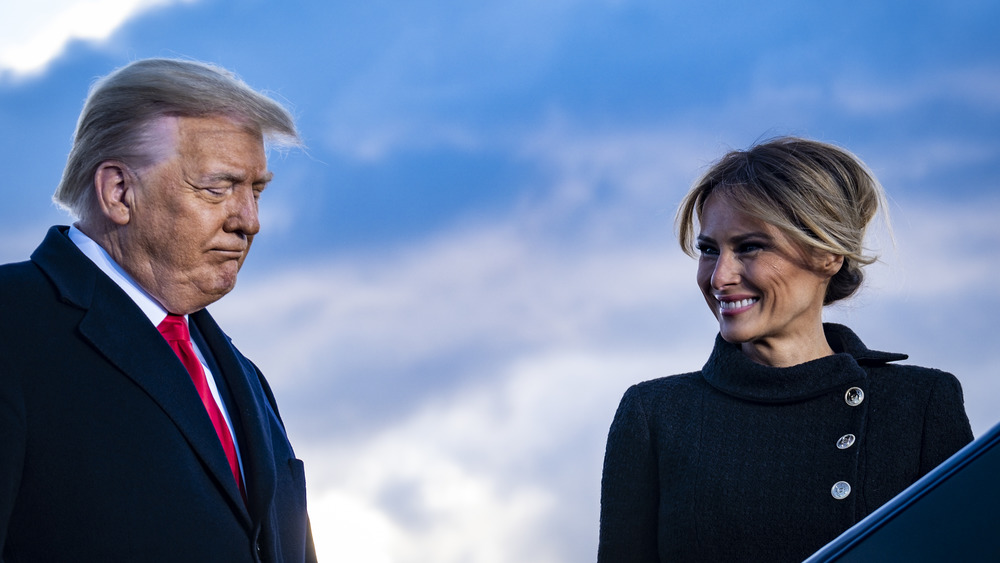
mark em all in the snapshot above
pixel 679 381
pixel 659 405
pixel 653 394
pixel 901 377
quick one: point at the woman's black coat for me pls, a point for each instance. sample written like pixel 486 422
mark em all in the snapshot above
pixel 742 462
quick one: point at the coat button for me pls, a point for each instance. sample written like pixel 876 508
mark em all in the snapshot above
pixel 854 396
pixel 840 490
pixel 845 441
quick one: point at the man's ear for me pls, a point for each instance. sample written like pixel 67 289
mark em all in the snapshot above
pixel 115 184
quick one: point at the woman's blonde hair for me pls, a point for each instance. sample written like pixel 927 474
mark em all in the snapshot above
pixel 821 195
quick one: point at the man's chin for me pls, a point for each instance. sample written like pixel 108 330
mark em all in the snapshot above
pixel 196 300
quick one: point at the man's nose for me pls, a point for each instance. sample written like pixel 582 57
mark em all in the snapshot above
pixel 243 216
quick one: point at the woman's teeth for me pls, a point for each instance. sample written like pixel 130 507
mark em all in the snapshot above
pixel 730 305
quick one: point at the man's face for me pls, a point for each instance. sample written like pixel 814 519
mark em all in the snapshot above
pixel 193 214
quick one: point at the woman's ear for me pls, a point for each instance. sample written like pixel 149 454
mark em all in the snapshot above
pixel 830 263
pixel 115 184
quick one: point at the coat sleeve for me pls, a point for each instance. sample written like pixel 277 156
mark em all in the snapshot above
pixel 629 488
pixel 946 426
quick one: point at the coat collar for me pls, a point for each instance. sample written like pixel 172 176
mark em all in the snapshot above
pixel 116 327
pixel 729 370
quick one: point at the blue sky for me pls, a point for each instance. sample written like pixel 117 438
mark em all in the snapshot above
pixel 474 257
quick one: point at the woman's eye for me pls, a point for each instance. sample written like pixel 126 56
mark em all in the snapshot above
pixel 748 247
pixel 707 250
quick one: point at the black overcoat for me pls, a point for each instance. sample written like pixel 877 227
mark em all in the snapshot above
pixel 744 462
pixel 107 452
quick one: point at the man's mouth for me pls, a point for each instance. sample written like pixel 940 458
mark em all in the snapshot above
pixel 229 252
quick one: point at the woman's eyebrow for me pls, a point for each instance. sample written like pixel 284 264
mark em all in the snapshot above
pixel 752 235
pixel 759 235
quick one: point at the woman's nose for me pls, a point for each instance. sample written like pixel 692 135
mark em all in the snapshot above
pixel 727 270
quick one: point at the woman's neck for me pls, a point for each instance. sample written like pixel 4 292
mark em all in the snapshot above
pixel 789 350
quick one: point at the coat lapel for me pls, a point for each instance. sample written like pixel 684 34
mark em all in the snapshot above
pixel 250 414
pixel 116 327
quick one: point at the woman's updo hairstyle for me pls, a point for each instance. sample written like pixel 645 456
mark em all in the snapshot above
pixel 821 195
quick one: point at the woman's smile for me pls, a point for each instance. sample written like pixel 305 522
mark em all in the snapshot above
pixel 731 306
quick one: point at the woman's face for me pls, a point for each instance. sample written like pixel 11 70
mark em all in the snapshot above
pixel 761 285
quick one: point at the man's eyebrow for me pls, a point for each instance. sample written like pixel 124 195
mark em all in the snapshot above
pixel 223 177
pixel 237 178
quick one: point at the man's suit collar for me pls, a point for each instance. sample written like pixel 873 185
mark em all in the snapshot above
pixel 73 275
pixel 249 412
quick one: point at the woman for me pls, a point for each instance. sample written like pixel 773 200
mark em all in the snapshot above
pixel 794 430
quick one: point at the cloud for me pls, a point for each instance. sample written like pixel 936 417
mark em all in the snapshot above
pixel 975 88
pixel 34 33
pixel 398 327
pixel 926 161
pixel 944 249
pixel 491 475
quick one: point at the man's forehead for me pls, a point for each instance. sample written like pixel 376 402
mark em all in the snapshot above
pixel 201 137
pixel 208 146
pixel 216 125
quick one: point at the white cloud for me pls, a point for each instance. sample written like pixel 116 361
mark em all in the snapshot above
pixel 974 87
pixel 486 288
pixel 482 477
pixel 921 159
pixel 347 527
pixel 34 33
pixel 943 249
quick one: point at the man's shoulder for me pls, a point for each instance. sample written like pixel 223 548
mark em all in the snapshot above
pixel 19 274
pixel 26 284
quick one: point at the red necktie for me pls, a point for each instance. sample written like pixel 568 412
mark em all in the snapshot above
pixel 175 330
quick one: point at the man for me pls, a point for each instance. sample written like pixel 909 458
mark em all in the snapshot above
pixel 131 429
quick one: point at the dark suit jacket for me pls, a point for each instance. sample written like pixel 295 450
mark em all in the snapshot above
pixel 106 452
